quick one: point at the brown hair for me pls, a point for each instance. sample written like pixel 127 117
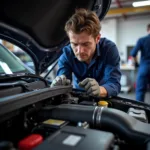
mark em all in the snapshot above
pixel 84 20
pixel 148 27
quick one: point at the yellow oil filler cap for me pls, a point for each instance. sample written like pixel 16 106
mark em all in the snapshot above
pixel 103 103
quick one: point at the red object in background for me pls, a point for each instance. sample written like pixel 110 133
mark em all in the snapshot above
pixel 130 61
pixel 135 85
pixel 29 142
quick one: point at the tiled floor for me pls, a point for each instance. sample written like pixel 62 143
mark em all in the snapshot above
pixel 131 95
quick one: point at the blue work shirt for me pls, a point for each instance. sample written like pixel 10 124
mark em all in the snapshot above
pixel 104 67
pixel 143 45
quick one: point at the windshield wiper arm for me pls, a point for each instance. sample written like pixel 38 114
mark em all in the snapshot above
pixel 14 84
pixel 20 76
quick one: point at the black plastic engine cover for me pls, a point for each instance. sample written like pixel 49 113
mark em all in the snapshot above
pixel 78 139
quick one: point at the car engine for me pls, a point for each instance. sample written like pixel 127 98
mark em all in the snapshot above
pixel 65 118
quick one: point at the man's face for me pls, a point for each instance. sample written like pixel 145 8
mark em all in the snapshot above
pixel 83 45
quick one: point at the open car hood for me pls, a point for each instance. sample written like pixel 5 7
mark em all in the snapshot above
pixel 38 26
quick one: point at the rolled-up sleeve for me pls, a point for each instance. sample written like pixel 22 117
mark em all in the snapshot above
pixel 112 73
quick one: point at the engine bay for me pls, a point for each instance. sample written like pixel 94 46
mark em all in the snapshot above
pixel 63 118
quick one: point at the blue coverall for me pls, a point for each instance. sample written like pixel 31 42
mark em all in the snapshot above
pixel 104 67
pixel 143 76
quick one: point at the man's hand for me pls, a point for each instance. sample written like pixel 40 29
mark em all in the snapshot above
pixel 60 80
pixel 136 65
pixel 91 86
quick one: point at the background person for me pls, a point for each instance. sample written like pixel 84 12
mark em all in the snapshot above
pixel 143 76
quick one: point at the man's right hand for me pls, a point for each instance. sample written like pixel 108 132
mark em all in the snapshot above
pixel 60 80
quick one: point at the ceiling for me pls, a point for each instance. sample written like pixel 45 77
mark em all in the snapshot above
pixel 124 9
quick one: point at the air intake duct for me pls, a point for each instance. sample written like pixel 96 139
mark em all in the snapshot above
pixel 107 119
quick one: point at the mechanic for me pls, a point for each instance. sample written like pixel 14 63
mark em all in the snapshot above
pixel 143 76
pixel 93 62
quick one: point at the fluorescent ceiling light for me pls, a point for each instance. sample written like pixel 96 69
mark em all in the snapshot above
pixel 141 3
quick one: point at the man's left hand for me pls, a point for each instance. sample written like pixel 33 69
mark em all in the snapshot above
pixel 91 86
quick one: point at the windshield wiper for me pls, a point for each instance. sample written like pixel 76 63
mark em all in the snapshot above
pixel 15 84
pixel 6 77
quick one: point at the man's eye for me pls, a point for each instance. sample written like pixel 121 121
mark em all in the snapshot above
pixel 75 45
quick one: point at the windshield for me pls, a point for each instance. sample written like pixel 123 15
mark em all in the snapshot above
pixel 9 63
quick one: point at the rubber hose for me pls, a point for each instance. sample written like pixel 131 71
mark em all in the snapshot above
pixel 127 127
pixel 68 112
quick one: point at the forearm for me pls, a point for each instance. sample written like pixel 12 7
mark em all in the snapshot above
pixel 103 91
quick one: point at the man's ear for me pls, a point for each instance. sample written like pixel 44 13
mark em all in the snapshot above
pixel 98 38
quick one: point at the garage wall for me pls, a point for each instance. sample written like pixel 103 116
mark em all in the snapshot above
pixel 125 32
pixel 109 29
pixel 129 31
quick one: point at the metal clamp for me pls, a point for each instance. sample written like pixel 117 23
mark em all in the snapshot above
pixel 94 113
pixel 98 116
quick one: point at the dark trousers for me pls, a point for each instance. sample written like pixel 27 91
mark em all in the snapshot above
pixel 143 79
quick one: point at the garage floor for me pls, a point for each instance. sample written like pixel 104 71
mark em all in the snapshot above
pixel 131 95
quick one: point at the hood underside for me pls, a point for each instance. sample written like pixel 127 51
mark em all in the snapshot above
pixel 38 26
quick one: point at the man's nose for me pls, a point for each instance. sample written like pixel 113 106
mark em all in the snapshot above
pixel 80 49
